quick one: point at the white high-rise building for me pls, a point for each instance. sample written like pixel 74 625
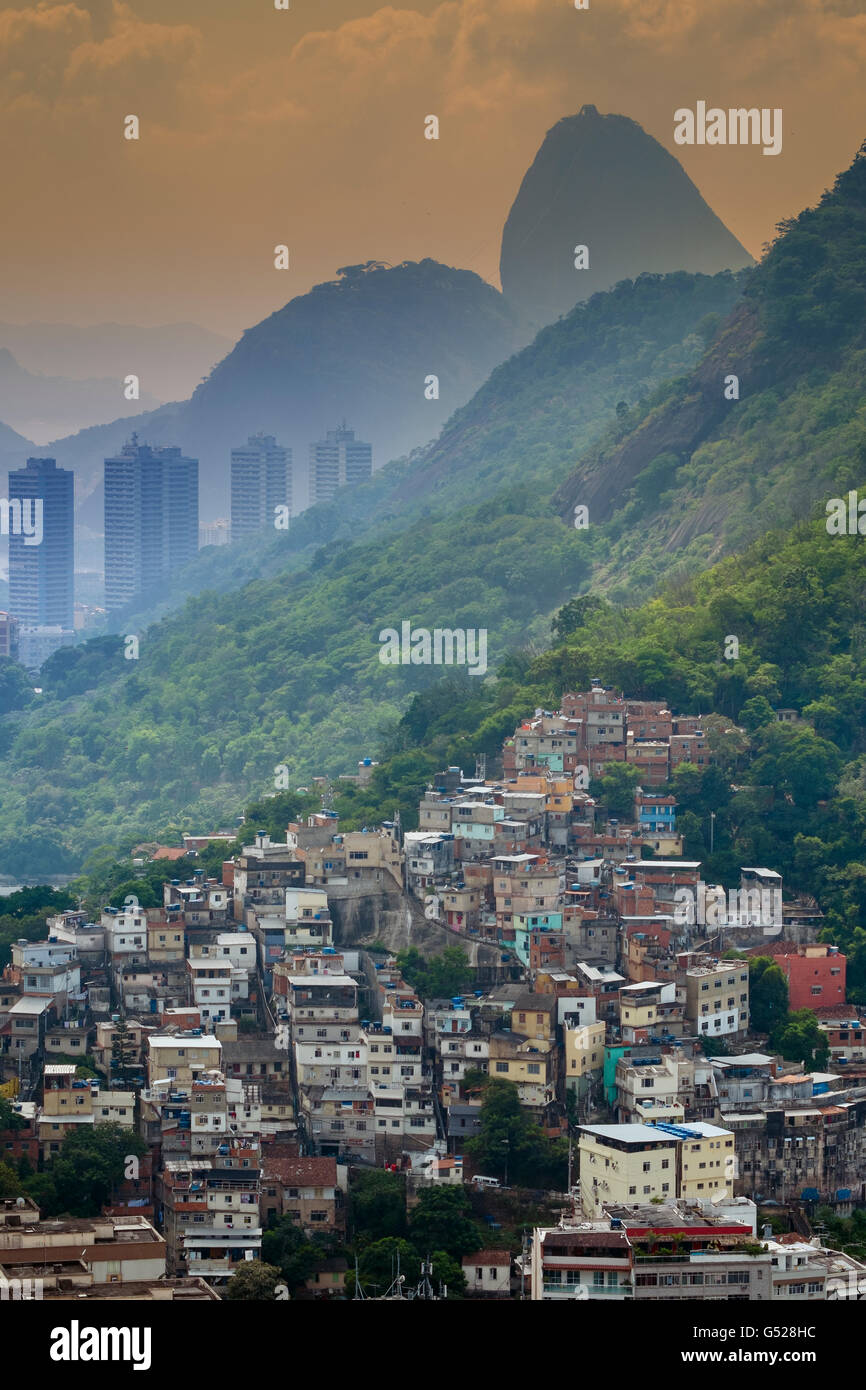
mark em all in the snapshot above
pixel 339 460
pixel 261 482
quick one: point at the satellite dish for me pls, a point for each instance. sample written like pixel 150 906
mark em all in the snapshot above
pixel 131 901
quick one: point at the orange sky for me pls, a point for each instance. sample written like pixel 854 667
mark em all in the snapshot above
pixel 306 127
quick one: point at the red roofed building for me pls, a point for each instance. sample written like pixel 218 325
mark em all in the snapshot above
pixel 310 1190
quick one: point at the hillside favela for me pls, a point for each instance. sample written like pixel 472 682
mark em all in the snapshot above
pixel 433 671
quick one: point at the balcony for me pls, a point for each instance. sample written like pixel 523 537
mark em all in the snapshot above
pixel 679 1259
pixel 573 1291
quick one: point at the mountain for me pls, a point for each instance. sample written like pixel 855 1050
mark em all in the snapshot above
pixel 44 406
pixel 604 183
pixel 286 669
pixel 14 447
pixel 364 346
pixel 361 347
pixel 768 425
pixel 623 403
pixel 170 359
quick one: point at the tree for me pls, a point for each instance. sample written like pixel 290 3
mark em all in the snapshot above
pixel 510 1139
pixel 9 1118
pixel 255 1281
pixel 442 1221
pixel 90 1164
pixel 123 1051
pixel 449 1272
pixel 379 1264
pixel 756 712
pixel 16 687
pixel 799 1039
pixel 10 1182
pixel 139 888
pixel 377 1205
pixel 575 614
pixel 715 1047
pixel 437 977
pixel 616 789
pixel 288 1248
pixel 768 994
pixel 448 973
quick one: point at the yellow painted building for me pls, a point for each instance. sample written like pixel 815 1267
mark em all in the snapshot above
pixel 584 1054
pixel 625 1164
pixel 529 1063
pixel 631 1163
pixel 181 1057
pixel 165 942
pixel 706 1164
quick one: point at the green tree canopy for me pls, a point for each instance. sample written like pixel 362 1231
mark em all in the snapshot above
pixel 436 977
pixel 254 1281
pixel 768 994
pixel 799 1039
pixel 288 1248
pixel 90 1165
pixel 377 1205
pixel 511 1140
pixel 442 1221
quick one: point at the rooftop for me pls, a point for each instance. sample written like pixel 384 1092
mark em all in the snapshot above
pixel 301 1172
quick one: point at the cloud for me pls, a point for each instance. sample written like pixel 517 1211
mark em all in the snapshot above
pixel 260 126
pixel 35 45
pixel 62 55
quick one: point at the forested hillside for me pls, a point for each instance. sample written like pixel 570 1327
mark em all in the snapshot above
pixel 286 668
pixel 789 795
pixel 607 406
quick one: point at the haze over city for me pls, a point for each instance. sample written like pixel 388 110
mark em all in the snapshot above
pixel 305 127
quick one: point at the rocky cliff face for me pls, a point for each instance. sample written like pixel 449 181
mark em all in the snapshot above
pixel 602 182
pixel 391 919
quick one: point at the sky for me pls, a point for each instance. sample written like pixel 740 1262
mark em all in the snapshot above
pixel 305 127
